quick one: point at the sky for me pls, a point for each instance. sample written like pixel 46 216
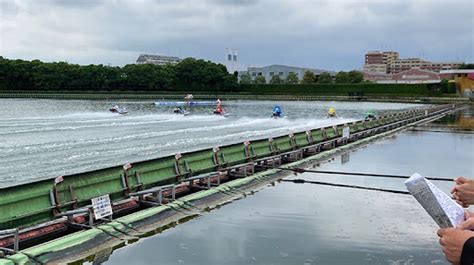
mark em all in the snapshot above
pixel 323 34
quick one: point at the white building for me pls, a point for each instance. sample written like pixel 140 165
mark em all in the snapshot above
pixel 281 70
pixel 157 59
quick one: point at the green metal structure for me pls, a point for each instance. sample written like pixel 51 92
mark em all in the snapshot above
pixel 43 201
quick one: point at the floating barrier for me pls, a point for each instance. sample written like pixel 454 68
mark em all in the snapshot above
pixel 184 103
pixel 38 209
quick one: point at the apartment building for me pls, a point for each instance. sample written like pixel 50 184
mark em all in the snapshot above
pixel 390 63
pixel 379 61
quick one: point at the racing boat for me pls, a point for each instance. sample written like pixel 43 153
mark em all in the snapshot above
pixel 179 110
pixel 370 114
pixel 117 109
pixel 277 113
pixel 331 112
pixel 222 113
pixel 219 110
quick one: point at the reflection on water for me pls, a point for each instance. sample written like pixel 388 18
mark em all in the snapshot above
pixel 291 223
pixel 296 224
pixel 463 119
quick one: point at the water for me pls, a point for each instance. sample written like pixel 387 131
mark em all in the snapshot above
pixel 311 224
pixel 285 223
pixel 47 138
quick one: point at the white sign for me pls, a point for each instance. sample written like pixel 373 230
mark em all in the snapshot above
pixel 101 206
pixel 345 132
pixel 127 166
pixel 58 180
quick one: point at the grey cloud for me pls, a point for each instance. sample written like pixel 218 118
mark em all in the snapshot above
pixel 70 3
pixel 319 34
pixel 8 8
pixel 234 2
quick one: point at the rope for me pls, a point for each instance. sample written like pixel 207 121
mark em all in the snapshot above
pixel 298 181
pixel 302 170
pixel 83 226
pixel 443 131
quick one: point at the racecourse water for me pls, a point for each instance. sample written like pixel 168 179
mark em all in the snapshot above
pixel 47 138
pixel 290 223
pixel 285 223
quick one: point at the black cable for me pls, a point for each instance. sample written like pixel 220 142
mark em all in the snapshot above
pixel 302 170
pixel 443 131
pixel 344 185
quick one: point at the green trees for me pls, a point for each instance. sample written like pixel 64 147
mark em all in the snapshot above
pixel 325 78
pixel 201 75
pixel 355 77
pixel 245 78
pixel 292 78
pixel 260 80
pixel 308 78
pixel 190 74
pixel 466 66
pixel 352 77
pixel 276 80
pixel 447 87
pixel 341 78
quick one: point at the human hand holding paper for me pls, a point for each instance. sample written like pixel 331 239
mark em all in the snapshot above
pixel 463 191
pixel 445 211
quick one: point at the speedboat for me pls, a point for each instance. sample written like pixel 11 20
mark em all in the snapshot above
pixel 117 109
pixel 220 113
pixel 332 112
pixel 277 113
pixel 370 114
pixel 181 111
pixel 219 110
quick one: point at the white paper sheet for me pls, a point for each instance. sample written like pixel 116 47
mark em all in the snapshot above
pixel 444 210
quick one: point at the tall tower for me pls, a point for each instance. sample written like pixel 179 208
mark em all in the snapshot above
pixel 231 60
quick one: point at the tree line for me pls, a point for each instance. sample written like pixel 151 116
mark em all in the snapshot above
pixel 466 66
pixel 352 77
pixel 190 75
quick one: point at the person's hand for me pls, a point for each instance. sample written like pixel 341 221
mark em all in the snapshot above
pixel 468 214
pixel 463 191
pixel 468 223
pixel 452 241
